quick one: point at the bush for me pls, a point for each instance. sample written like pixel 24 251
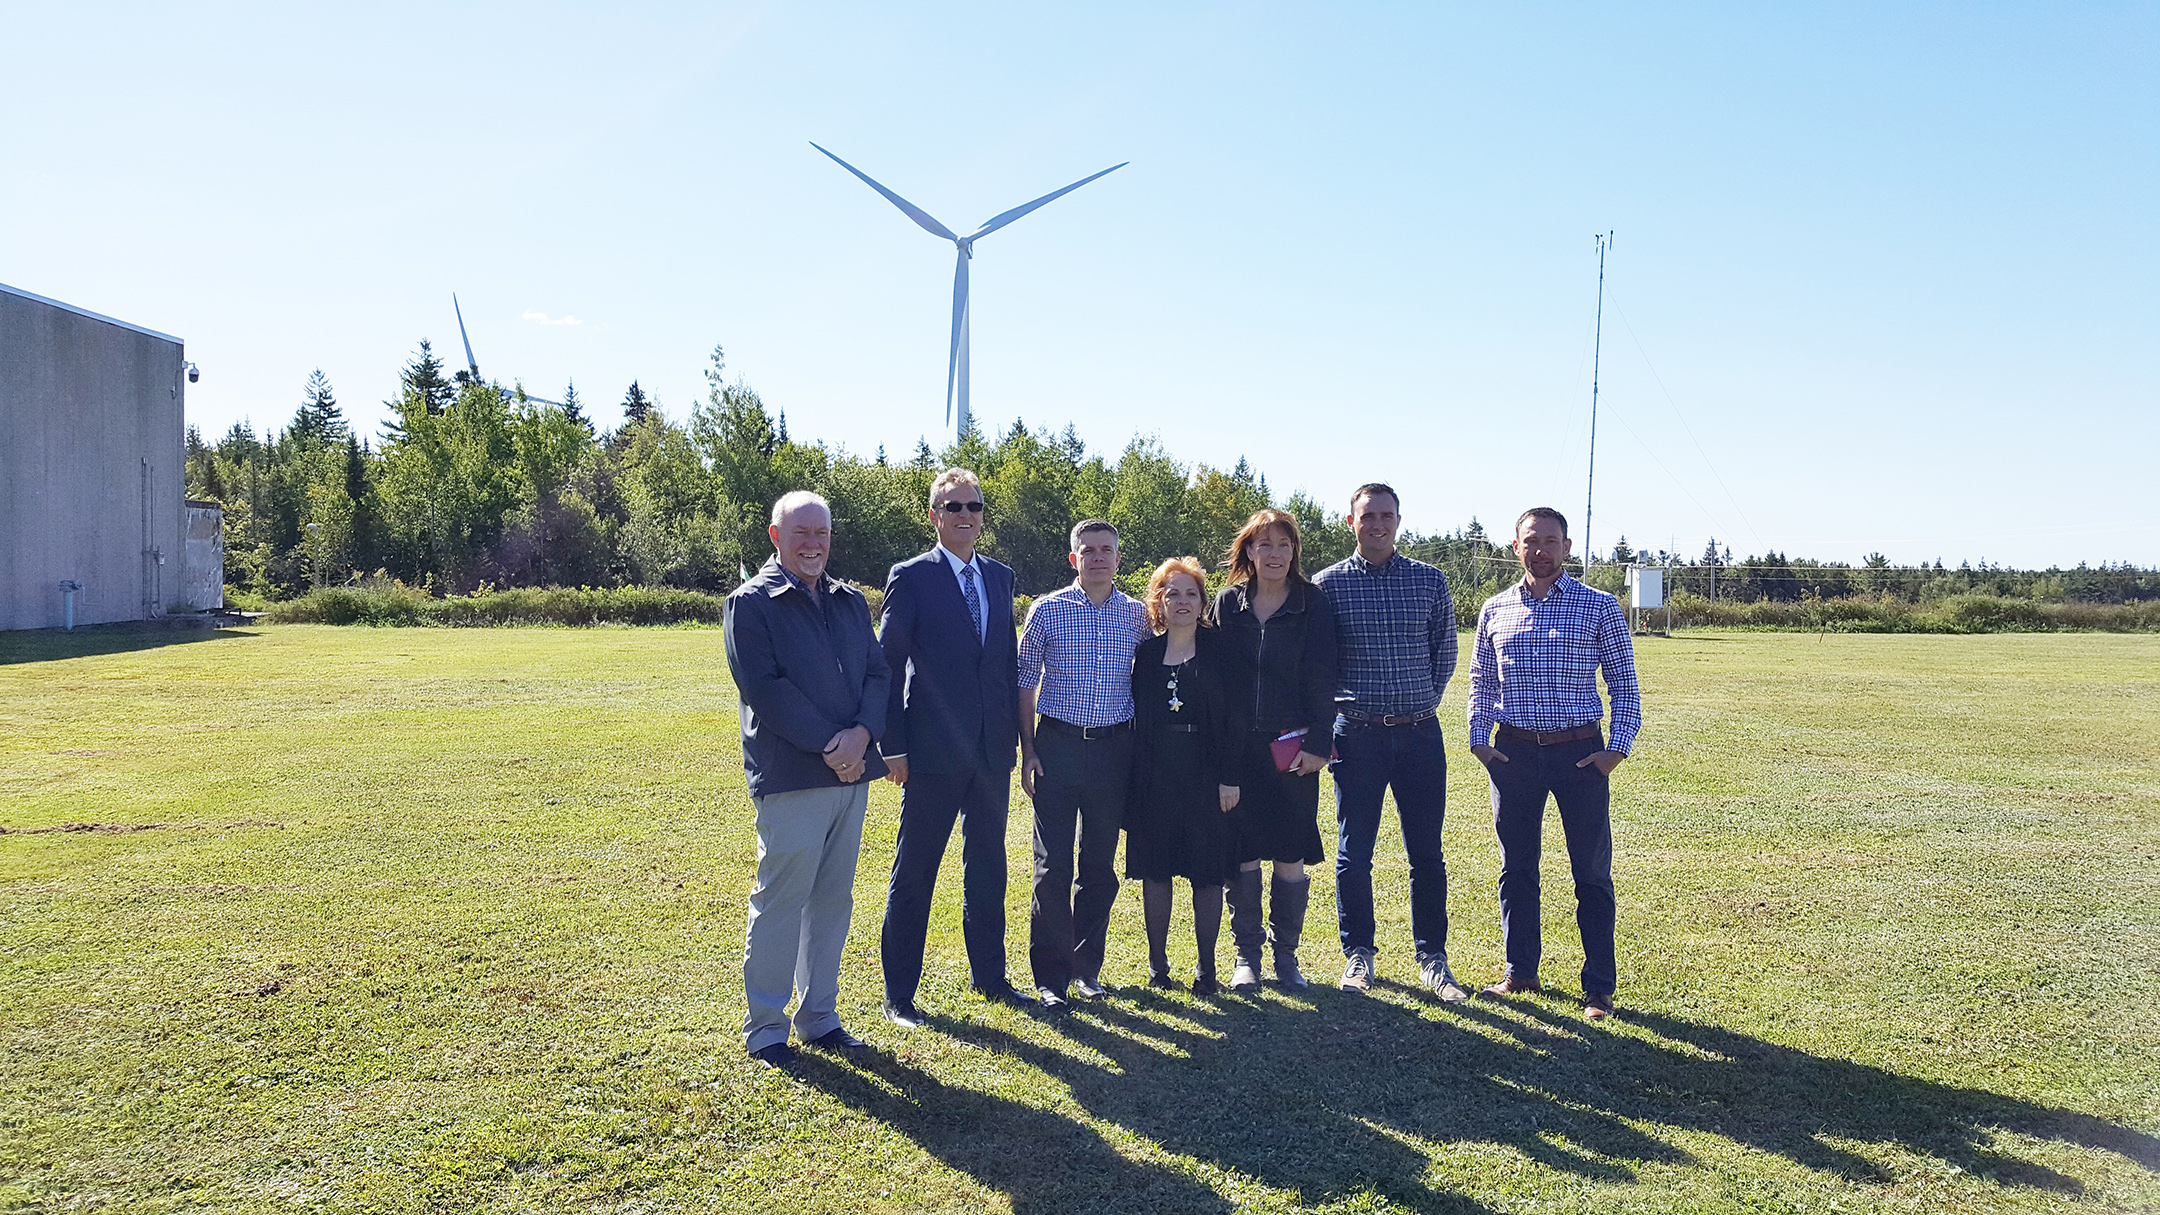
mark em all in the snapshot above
pixel 378 601
pixel 386 601
pixel 1954 614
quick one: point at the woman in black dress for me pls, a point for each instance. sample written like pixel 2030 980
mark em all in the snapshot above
pixel 1280 632
pixel 1177 814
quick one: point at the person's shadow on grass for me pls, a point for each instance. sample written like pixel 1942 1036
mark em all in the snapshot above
pixel 1043 1160
pixel 1334 1095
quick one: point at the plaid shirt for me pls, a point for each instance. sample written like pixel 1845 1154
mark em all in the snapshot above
pixel 1081 655
pixel 1394 632
pixel 1536 662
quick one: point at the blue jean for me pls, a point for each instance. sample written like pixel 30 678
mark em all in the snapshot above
pixel 1371 759
pixel 1584 796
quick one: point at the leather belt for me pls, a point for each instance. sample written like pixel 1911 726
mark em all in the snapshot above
pixel 1389 719
pixel 1548 738
pixel 1059 725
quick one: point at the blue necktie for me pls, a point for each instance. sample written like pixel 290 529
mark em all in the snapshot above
pixel 974 598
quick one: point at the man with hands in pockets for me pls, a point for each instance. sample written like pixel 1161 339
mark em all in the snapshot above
pixel 1541 645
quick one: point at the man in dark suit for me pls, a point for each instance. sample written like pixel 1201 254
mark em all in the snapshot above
pixel 952 732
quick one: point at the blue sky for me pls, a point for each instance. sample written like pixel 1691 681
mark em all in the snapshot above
pixel 1884 277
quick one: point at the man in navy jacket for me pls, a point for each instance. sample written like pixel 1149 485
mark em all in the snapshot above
pixel 952 731
pixel 813 686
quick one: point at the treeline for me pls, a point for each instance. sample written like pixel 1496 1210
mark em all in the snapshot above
pixel 472 487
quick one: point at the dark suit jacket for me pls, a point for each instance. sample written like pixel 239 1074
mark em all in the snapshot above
pixel 955 697
pixel 804 674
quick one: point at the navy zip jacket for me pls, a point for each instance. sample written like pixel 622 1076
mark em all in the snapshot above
pixel 804 671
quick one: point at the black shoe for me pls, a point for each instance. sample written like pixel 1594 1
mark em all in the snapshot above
pixel 906 1015
pixel 838 1039
pixel 1205 985
pixel 1006 994
pixel 1050 1001
pixel 778 1055
pixel 1088 987
pixel 1161 981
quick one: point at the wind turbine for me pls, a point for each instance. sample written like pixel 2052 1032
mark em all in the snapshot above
pixel 956 364
pixel 473 367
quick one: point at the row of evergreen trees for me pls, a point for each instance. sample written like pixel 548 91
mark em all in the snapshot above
pixel 471 484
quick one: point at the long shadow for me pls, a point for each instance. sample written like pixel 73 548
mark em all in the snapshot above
pixel 1043 1160
pixel 89 641
pixel 1333 1095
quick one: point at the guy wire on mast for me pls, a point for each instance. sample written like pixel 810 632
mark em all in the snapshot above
pixel 1604 242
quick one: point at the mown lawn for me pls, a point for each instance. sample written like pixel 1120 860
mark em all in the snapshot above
pixel 418 919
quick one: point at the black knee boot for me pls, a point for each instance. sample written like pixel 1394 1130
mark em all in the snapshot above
pixel 1288 924
pixel 1248 929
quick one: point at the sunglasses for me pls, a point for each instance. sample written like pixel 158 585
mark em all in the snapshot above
pixel 954 508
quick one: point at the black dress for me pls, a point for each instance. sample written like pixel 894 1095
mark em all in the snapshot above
pixel 1282 674
pixel 1184 744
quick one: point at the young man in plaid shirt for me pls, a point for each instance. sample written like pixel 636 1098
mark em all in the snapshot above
pixel 1533 676
pixel 1395 641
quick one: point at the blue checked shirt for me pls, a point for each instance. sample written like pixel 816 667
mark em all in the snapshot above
pixel 1394 632
pixel 1081 655
pixel 1536 663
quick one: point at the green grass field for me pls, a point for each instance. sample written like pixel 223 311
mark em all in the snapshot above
pixel 427 919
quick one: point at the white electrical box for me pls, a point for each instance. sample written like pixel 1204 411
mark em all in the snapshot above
pixel 1646 585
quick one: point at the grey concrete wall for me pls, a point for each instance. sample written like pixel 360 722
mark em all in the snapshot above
pixel 91 477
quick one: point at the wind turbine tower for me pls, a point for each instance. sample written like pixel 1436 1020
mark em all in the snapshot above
pixel 956 363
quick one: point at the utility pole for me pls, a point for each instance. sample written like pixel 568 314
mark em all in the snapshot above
pixel 1604 242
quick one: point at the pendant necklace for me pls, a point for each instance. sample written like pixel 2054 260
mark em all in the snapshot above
pixel 1176 705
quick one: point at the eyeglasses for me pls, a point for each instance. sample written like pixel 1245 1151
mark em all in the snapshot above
pixel 954 508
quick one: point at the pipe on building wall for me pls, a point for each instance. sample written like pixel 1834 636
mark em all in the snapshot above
pixel 67 599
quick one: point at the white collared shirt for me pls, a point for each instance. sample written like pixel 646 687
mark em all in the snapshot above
pixel 982 588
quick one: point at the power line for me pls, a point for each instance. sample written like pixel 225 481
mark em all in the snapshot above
pixel 1707 461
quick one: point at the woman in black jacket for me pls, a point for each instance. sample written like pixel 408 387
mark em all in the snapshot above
pixel 1185 736
pixel 1281 635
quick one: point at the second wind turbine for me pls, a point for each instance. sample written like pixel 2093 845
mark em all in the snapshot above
pixel 956 363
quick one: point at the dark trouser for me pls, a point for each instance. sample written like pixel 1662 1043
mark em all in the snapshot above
pixel 1369 760
pixel 928 803
pixel 1079 797
pixel 1584 795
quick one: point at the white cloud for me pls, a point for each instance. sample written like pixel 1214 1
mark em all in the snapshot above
pixel 542 318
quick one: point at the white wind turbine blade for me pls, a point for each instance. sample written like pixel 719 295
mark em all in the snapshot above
pixel 920 216
pixel 956 362
pixel 995 222
pixel 470 364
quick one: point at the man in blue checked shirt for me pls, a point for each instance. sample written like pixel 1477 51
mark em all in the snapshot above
pixel 1395 640
pixel 1076 656
pixel 1533 676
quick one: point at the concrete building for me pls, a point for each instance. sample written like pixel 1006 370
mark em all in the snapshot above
pixel 91 477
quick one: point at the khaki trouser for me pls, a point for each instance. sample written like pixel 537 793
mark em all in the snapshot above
pixel 800 910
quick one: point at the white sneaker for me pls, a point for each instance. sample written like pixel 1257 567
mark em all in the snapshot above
pixel 1357 971
pixel 1434 973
